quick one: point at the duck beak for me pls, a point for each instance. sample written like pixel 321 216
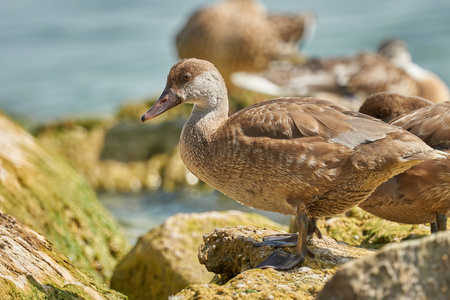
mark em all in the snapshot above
pixel 168 99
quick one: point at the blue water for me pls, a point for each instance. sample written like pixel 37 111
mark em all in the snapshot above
pixel 138 213
pixel 66 58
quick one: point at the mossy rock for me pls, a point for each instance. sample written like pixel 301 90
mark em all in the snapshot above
pixel 31 268
pixel 418 269
pixel 45 192
pixel 121 154
pixel 360 228
pixel 164 261
pixel 231 253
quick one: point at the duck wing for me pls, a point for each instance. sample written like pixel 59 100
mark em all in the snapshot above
pixel 431 124
pixel 307 120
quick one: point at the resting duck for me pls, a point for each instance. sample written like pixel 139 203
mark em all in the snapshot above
pixel 422 193
pixel 387 106
pixel 239 35
pixel 429 85
pixel 348 80
pixel 295 156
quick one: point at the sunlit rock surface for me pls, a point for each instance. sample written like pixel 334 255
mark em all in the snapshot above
pixel 43 191
pixel 231 254
pixel 121 154
pixel 418 269
pixel 31 268
pixel 164 261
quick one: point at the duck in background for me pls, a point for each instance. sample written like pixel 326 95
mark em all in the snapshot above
pixel 348 80
pixel 239 35
pixel 429 85
pixel 387 106
pixel 297 156
pixel 422 193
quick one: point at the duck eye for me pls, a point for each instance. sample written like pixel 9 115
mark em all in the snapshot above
pixel 186 77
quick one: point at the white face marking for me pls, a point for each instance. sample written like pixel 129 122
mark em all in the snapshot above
pixel 205 90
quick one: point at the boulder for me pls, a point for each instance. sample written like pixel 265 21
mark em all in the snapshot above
pixel 43 191
pixel 31 268
pixel 120 153
pixel 359 228
pixel 231 253
pixel 164 261
pixel 418 269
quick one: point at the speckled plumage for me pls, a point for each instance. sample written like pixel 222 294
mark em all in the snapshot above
pixel 421 193
pixel 415 196
pixel 349 79
pixel 431 124
pixel 429 85
pixel 387 106
pixel 240 35
pixel 290 155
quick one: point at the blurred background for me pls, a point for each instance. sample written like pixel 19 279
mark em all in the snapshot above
pixel 61 59
pixel 88 58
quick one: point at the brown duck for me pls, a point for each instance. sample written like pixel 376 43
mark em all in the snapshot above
pixel 295 156
pixel 387 106
pixel 240 35
pixel 422 193
pixel 349 80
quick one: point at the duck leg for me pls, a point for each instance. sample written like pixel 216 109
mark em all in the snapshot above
pixel 284 261
pixel 434 227
pixel 312 228
pixel 290 239
pixel 441 221
pixel 282 240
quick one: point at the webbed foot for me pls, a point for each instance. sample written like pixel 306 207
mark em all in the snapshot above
pixel 284 261
pixel 279 240
pixel 280 260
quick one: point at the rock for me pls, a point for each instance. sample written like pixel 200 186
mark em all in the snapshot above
pixel 418 269
pixel 164 261
pixel 133 141
pixel 231 252
pixel 31 268
pixel 44 192
pixel 359 228
pixel 122 154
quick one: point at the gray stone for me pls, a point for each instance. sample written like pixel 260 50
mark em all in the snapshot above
pixel 418 269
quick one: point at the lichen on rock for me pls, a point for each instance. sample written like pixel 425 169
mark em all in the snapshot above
pixel 418 269
pixel 164 261
pixel 31 268
pixel 231 253
pixel 43 191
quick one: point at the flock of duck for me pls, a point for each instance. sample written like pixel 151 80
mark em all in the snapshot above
pixel 314 158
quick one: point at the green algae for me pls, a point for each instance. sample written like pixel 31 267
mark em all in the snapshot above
pixel 359 228
pixel 49 195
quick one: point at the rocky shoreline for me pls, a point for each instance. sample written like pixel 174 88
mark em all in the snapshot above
pixel 41 187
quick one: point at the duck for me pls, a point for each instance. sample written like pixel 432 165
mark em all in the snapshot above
pixel 348 80
pixel 241 35
pixel 429 85
pixel 421 194
pixel 387 106
pixel 295 156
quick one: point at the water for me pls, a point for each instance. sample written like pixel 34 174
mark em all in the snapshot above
pixel 67 58
pixel 137 213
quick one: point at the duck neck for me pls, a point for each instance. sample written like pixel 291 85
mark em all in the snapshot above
pixel 205 121
pixel 198 134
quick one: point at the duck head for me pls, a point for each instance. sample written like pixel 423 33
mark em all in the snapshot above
pixel 192 81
